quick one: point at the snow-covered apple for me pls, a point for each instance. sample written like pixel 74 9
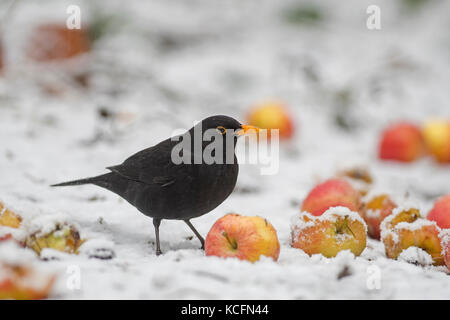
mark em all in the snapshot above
pixel 406 228
pixel 9 218
pixel 436 134
pixel 65 238
pixel 331 193
pixel 441 212
pixel 374 212
pixel 401 142
pixel 272 115
pixel 337 229
pixel 246 238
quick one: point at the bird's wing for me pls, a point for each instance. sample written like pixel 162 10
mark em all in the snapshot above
pixel 150 166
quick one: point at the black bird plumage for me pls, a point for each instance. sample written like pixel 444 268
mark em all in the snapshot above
pixel 161 189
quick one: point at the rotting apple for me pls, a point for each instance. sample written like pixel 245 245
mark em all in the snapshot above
pixel 335 230
pixel 331 193
pixel 406 228
pixel 242 237
pixel 65 238
pixel 374 212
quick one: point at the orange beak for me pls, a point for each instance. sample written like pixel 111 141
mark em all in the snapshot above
pixel 247 129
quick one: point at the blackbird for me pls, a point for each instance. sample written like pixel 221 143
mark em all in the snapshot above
pixel 162 188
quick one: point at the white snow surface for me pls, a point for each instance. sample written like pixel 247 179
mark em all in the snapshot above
pixel 416 255
pixel 167 64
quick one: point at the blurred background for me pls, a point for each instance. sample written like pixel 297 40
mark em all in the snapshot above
pixel 136 71
pixel 75 101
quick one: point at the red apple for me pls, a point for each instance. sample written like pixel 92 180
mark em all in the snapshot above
pixel 401 142
pixel 436 134
pixel 375 211
pixel 246 238
pixel 336 230
pixel 331 193
pixel 406 228
pixel 441 212
pixel 272 115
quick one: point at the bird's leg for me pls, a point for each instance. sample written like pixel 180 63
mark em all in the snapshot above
pixel 202 241
pixel 156 223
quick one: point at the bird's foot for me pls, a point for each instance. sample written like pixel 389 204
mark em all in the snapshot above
pixel 203 246
pixel 158 252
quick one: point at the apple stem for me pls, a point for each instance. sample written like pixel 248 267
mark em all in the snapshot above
pixel 233 244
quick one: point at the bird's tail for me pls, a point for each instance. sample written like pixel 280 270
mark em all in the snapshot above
pixel 94 180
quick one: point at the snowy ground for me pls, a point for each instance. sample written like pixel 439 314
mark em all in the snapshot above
pixel 166 64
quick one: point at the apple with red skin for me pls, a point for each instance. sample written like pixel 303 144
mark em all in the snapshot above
pixel 436 134
pixel 336 230
pixel 272 115
pixel 242 237
pixel 401 142
pixel 374 212
pixel 406 228
pixel 441 212
pixel 331 193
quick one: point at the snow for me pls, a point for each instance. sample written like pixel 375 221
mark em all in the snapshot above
pixel 416 255
pixel 167 64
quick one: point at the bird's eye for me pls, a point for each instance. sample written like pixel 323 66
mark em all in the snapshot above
pixel 221 129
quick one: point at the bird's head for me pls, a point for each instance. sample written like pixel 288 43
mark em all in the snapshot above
pixel 216 136
pixel 225 125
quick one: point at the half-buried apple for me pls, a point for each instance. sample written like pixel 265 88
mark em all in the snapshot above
pixel 63 238
pixel 406 228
